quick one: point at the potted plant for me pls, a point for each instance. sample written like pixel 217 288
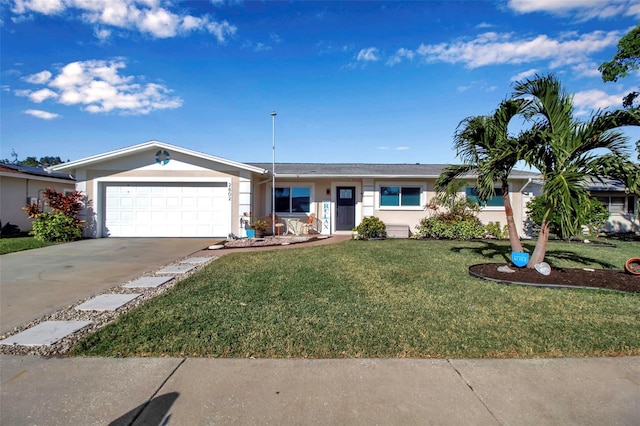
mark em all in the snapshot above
pixel 260 226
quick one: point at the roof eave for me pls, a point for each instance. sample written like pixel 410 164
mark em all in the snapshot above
pixel 38 177
pixel 140 147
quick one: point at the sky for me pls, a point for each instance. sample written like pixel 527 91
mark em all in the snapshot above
pixel 356 81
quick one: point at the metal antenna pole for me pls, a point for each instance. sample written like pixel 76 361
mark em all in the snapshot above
pixel 273 173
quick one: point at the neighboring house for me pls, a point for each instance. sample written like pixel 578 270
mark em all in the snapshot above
pixel 22 185
pixel 622 207
pixel 156 189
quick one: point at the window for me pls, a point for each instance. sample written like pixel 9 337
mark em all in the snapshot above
pixel 495 201
pixel 616 204
pixel 400 196
pixel 293 199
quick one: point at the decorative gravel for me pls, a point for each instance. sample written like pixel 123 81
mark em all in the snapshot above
pixel 271 241
pixel 99 318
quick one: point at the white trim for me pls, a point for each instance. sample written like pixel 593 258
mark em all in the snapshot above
pixel 156 145
pixel 358 207
pixel 408 184
pixel 293 184
pixel 99 184
pixel 171 179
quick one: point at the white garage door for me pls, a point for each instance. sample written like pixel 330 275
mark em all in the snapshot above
pixel 167 210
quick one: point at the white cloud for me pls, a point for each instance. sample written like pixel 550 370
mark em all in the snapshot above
pixel 586 69
pixel 401 54
pixel 99 87
pixel 38 78
pixel 397 148
pixel 583 9
pixel 524 74
pixel 102 34
pixel 590 100
pixel 42 95
pixel 145 16
pixel 478 85
pixel 47 7
pixel 369 54
pixel 493 48
pixel 41 114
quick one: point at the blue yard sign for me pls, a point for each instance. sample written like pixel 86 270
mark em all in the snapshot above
pixel 519 259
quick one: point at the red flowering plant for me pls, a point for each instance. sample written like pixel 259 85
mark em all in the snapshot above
pixel 62 223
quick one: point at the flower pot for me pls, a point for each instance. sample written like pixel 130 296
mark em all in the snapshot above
pixel 632 266
pixel 250 233
pixel 259 233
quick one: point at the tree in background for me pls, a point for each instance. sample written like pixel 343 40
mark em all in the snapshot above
pixel 626 59
pixel 43 162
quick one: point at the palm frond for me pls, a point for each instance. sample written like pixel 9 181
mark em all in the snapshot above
pixel 451 173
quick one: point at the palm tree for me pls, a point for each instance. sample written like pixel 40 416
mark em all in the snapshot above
pixel 568 152
pixel 490 153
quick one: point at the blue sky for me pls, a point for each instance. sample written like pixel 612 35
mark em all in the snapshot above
pixel 379 82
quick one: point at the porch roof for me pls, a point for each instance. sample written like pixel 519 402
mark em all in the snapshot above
pixel 7 169
pixel 370 170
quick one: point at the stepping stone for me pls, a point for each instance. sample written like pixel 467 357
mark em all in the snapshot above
pixel 46 333
pixel 196 260
pixel 107 302
pixel 148 282
pixel 175 270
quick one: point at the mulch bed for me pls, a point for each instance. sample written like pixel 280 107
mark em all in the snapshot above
pixel 608 279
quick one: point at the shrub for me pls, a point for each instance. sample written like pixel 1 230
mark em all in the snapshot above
pixel 496 231
pixel 62 223
pixel 56 227
pixel 451 216
pixel 593 215
pixel 371 227
pixel 467 228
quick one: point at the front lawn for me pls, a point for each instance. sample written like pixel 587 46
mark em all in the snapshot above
pixel 10 245
pixel 393 298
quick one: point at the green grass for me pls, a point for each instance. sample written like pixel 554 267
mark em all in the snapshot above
pixel 10 245
pixel 393 298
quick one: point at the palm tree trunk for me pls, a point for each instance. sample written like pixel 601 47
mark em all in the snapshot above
pixel 541 246
pixel 511 224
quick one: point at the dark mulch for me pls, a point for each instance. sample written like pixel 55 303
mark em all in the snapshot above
pixel 610 279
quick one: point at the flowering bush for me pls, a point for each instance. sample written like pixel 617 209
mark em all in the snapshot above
pixel 62 223
pixel 260 225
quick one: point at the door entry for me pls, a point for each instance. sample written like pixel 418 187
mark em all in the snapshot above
pixel 345 208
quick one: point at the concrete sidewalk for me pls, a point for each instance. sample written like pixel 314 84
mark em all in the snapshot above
pixel 176 391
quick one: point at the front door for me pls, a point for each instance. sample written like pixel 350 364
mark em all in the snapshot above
pixel 346 208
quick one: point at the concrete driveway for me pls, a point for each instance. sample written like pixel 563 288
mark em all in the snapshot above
pixel 37 282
